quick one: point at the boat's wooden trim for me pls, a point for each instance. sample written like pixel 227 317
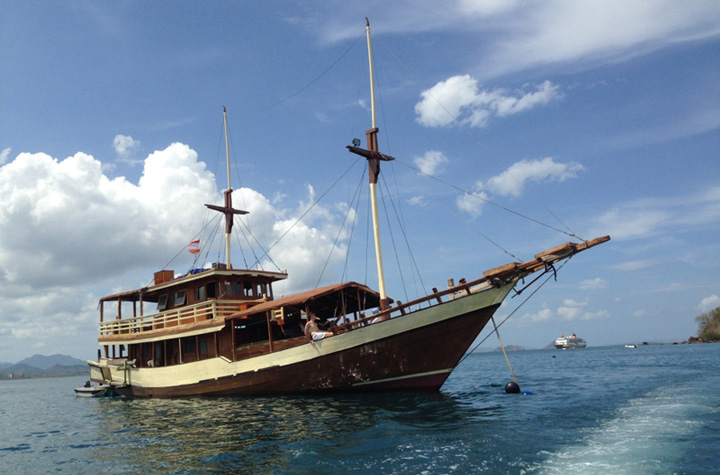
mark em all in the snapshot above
pixel 181 321
pixel 135 295
pixel 185 330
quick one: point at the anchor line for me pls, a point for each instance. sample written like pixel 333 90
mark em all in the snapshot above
pixel 512 313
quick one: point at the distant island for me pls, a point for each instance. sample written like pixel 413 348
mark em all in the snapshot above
pixel 40 366
pixel 708 327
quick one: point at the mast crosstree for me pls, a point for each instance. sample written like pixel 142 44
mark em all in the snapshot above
pixel 227 209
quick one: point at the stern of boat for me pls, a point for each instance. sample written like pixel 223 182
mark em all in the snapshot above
pixel 112 372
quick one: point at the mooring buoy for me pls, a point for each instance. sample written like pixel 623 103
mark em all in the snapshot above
pixel 512 388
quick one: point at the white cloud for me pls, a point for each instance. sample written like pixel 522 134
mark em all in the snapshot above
pixel 4 154
pixel 431 162
pixel 512 181
pixel 629 223
pixel 632 265
pixel 459 101
pixel 575 310
pixel 472 204
pixel 531 34
pixel 649 217
pixel 709 303
pixel 592 284
pixel 486 7
pixel 571 309
pixel 69 231
pixel 60 216
pixel 416 200
pixel 543 315
pixel 125 146
pixel 563 30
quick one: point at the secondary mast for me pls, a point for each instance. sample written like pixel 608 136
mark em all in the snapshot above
pixel 374 157
pixel 228 209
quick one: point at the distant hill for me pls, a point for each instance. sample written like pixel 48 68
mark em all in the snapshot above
pixel 43 366
pixel 46 362
pixel 511 348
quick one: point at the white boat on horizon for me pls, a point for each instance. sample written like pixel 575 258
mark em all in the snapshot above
pixel 569 342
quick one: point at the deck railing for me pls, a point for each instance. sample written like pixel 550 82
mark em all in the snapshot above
pixel 215 309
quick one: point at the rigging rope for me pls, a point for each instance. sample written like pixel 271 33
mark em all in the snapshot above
pixel 490 202
pixel 337 236
pixel 181 251
pixel 392 239
pixel 503 350
pixel 358 194
pixel 317 78
pixel 266 252
pixel 516 308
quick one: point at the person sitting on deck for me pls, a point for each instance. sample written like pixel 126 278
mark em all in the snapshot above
pixel 313 332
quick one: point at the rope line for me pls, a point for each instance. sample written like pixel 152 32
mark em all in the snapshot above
pixel 317 78
pixel 515 310
pixel 337 236
pixel 309 209
pixel 490 202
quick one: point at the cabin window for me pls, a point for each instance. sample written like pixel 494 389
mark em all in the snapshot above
pixel 189 346
pixel 228 288
pixel 203 345
pixel 175 299
pixel 263 289
pixel 249 291
pixel 159 359
pixel 210 290
pixel 162 302
pixel 238 288
pixel 200 293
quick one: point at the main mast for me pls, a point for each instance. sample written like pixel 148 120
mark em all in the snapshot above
pixel 228 209
pixel 374 157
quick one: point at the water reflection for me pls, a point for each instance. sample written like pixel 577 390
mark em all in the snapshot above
pixel 265 434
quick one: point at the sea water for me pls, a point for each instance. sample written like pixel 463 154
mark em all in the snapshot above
pixel 654 409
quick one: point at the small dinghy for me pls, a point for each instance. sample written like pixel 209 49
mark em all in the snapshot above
pixel 94 391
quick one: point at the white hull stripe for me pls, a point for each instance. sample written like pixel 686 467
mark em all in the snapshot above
pixel 407 376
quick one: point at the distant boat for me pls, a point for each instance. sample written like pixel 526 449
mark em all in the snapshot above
pixel 631 346
pixel 569 342
pixel 221 331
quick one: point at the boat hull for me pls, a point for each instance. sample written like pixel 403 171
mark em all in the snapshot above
pixel 95 391
pixel 570 343
pixel 417 351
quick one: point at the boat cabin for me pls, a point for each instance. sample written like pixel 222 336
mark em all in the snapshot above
pixel 177 320
pixel 221 313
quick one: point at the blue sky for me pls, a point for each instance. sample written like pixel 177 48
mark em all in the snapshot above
pixel 594 118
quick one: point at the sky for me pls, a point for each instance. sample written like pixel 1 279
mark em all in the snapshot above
pixel 516 126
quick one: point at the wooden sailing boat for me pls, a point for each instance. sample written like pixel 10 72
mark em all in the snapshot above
pixel 220 331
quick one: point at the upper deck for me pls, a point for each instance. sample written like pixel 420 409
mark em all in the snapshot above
pixel 197 302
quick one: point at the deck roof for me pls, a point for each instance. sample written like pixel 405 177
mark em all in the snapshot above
pixel 323 301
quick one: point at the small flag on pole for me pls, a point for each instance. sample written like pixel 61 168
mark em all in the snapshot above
pixel 194 250
pixel 194 243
